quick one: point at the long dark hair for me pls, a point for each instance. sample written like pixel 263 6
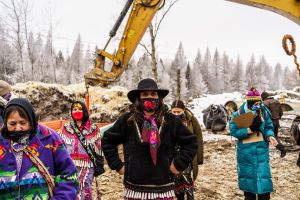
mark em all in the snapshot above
pixel 137 112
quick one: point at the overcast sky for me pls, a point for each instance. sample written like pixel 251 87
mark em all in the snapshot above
pixel 234 28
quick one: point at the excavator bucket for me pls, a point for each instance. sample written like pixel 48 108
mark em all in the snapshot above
pixel 96 76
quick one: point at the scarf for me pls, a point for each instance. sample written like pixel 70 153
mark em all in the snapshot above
pixel 150 134
pixel 254 112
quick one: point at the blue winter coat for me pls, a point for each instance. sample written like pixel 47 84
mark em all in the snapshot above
pixel 254 174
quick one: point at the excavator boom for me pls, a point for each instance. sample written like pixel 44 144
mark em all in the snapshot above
pixel 140 17
pixel 287 8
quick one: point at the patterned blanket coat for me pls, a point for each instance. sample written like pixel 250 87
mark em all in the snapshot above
pixel 79 155
pixel 29 183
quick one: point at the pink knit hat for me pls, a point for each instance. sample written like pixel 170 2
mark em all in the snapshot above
pixel 253 95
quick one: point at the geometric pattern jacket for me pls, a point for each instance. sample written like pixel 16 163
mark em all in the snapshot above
pixel 79 155
pixel 74 146
pixel 29 183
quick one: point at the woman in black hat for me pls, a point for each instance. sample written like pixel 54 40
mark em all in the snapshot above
pixel 149 136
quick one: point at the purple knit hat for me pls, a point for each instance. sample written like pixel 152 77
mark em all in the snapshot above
pixel 253 95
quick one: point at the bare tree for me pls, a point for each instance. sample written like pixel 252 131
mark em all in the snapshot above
pixel 49 13
pixel 29 38
pixel 153 31
pixel 52 52
pixel 15 20
pixel 51 42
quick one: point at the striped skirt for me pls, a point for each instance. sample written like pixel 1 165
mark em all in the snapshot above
pixel 133 195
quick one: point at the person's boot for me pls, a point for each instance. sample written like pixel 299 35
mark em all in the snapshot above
pixel 282 149
pixel 282 153
pixel 190 195
pixel 249 196
pixel 298 161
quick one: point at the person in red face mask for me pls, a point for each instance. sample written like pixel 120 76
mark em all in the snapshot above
pixel 87 158
pixel 149 135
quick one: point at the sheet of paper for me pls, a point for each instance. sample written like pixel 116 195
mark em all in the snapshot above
pixel 244 120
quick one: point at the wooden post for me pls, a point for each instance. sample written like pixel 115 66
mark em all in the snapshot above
pixel 87 98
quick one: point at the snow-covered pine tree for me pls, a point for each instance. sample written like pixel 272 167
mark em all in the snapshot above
pixel 238 80
pixel 262 70
pixel 231 75
pixel 214 73
pixel 188 77
pixel 32 57
pixel 277 78
pixel 295 78
pixel 226 71
pixel 205 66
pixel 144 67
pixel 48 60
pixel 61 70
pixel 38 51
pixel 198 85
pixel 241 75
pixel 128 78
pixel 76 61
pixel 88 62
pixel 250 74
pixel 163 71
pixel 178 71
pixel 287 78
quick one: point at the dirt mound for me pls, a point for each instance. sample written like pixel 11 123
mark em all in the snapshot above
pixel 53 101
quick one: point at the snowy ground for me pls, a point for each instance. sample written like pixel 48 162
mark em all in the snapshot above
pixel 217 177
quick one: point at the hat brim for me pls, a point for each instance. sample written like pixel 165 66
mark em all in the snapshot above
pixel 133 94
pixel 254 98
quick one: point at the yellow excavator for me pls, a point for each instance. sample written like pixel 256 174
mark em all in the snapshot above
pixel 141 14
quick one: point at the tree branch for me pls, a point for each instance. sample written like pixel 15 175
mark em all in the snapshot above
pixel 163 16
pixel 145 47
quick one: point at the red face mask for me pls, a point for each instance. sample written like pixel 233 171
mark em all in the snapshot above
pixel 77 115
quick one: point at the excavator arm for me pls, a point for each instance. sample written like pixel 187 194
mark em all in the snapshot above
pixel 140 17
pixel 287 8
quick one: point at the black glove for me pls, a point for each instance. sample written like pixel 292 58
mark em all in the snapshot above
pixel 256 124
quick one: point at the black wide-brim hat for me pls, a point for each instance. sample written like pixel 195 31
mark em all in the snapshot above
pixel 144 85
